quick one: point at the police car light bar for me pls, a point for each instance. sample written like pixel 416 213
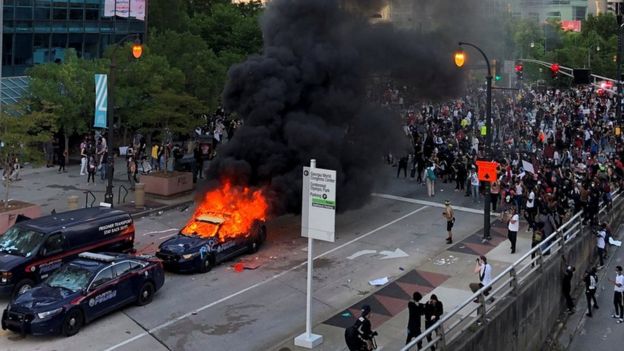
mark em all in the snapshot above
pixel 97 257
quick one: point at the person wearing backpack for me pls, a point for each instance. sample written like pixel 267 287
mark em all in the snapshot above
pixel 431 178
pixel 359 336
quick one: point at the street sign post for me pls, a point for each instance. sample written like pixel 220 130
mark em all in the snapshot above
pixel 318 218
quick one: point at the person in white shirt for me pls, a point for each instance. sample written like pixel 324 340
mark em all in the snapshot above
pixel 531 210
pixel 618 294
pixel 484 270
pixel 512 226
pixel 601 244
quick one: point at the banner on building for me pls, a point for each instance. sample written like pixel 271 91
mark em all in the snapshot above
pixel 125 8
pixel 101 100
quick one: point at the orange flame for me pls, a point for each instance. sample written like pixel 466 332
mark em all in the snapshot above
pixel 238 207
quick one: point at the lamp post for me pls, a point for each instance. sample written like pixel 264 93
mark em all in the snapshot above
pixel 618 69
pixel 137 51
pixel 460 58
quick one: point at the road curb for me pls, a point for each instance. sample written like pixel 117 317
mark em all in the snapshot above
pixel 159 209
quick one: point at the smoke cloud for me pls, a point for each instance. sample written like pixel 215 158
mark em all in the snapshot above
pixel 305 97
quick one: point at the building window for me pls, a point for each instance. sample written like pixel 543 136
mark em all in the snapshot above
pixel 23 49
pixel 579 13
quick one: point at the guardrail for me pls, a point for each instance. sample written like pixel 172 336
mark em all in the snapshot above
pixel 453 324
pixel 87 194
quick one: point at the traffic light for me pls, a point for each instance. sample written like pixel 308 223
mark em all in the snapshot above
pixel 554 70
pixel 498 70
pixel 519 71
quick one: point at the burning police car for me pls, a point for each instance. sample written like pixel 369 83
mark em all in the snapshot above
pixel 82 290
pixel 208 240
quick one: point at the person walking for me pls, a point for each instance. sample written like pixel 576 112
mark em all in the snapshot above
pixel 530 210
pixel 433 311
pixel 91 169
pixel 83 157
pixel 484 271
pixel 566 287
pixel 474 185
pixel 402 166
pixel 62 160
pixel 449 215
pixel 430 178
pixel 512 228
pixel 591 280
pixel 495 194
pixel 360 335
pixel 618 295
pixel 416 311
pixel 601 244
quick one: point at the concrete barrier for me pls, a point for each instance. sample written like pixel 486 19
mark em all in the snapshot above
pixel 72 202
pixel 524 321
pixel 139 195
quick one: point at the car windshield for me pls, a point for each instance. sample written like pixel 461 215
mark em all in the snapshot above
pixel 20 241
pixel 71 277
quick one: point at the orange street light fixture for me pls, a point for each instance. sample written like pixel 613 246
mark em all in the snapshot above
pixel 460 58
pixel 137 49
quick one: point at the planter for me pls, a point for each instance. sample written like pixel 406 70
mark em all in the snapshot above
pixel 168 184
pixel 8 216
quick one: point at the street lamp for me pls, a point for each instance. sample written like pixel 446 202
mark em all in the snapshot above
pixel 137 51
pixel 488 131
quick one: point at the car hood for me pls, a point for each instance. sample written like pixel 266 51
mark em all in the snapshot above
pixel 43 298
pixel 8 261
pixel 181 244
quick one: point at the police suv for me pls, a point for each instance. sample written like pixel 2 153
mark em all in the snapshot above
pixel 34 248
pixel 82 290
pixel 195 252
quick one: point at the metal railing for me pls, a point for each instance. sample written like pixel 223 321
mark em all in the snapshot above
pixel 469 314
pixel 87 194
pixel 119 199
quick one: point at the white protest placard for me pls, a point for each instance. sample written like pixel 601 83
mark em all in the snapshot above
pixel 318 212
pixel 528 167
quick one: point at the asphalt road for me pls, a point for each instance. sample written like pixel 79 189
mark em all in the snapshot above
pixel 257 309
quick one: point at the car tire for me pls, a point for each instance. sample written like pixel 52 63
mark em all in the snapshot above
pixel 21 287
pixel 146 294
pixel 72 323
pixel 205 265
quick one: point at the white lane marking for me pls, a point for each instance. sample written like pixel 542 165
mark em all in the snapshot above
pixel 393 254
pixel 428 203
pixel 361 253
pixel 276 276
pixel 161 231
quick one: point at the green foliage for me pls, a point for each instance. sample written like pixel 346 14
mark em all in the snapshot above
pixel 22 134
pixel 68 87
pixel 594 47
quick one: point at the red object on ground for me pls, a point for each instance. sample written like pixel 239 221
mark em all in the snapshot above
pixel 238 267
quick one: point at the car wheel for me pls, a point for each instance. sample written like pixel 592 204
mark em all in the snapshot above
pixel 146 294
pixel 205 265
pixel 73 322
pixel 22 287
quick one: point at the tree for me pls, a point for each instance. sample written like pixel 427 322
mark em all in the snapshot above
pixel 70 88
pixel 23 132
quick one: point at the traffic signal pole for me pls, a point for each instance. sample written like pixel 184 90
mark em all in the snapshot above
pixel 488 139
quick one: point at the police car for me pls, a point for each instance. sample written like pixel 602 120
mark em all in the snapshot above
pixel 82 290
pixel 199 253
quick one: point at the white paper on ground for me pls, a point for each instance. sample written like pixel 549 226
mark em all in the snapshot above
pixel 379 281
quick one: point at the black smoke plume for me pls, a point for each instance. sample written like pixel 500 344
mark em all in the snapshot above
pixel 305 97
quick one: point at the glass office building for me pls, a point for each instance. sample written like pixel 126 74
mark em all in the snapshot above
pixel 39 31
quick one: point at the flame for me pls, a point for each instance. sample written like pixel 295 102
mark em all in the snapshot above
pixel 235 206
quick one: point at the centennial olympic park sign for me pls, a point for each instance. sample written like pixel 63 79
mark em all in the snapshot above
pixel 318 210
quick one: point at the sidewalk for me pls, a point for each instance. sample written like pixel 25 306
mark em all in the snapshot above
pixel 50 189
pixel 447 275
pixel 600 332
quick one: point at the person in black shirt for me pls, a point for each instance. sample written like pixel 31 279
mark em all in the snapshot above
pixel 416 311
pixel 567 287
pixel 591 282
pixel 360 335
pixel 433 312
